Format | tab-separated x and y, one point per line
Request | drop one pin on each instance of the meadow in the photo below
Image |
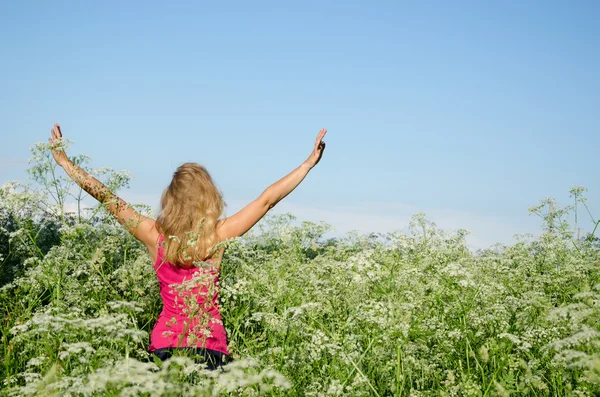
409	313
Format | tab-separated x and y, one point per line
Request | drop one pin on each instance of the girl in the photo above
182	243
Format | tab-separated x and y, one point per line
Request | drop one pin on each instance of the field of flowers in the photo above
408	313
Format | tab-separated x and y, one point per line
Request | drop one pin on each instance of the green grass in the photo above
409	313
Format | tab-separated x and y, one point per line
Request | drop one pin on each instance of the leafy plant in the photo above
406	313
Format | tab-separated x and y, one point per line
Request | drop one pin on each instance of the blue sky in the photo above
468	111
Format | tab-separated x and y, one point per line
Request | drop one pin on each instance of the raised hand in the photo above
56	146
317	152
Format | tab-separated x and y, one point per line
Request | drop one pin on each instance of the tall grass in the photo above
407	313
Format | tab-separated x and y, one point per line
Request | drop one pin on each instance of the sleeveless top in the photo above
190	315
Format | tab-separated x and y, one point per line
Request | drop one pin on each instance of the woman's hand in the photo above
56	146
317	152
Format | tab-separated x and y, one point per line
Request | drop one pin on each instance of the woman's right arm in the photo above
239	223
139	226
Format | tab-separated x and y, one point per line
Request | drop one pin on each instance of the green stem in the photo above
594	231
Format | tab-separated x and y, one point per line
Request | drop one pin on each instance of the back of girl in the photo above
187	266
190	319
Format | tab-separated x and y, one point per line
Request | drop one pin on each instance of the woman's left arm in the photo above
141	227
239	223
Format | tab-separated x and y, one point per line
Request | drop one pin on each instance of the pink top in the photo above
190	315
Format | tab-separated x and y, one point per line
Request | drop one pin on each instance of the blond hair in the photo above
189	210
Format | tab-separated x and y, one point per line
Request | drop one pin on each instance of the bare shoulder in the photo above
219	230
239	223
147	232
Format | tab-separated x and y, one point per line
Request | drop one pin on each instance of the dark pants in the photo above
212	358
